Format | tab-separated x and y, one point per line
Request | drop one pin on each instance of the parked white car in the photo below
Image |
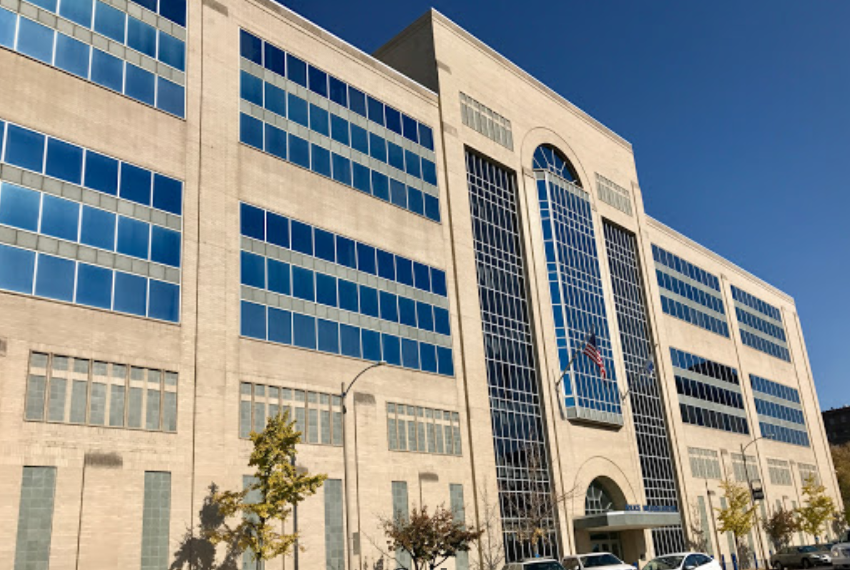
535	564
841	553
596	561
683	561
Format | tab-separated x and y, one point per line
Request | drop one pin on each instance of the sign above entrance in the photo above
651	508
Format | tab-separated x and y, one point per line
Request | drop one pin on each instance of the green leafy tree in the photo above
278	487
780	527
737	517
817	510
429	539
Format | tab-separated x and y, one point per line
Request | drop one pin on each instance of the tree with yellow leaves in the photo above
818	508
737	517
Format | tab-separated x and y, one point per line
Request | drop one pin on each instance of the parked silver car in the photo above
800	557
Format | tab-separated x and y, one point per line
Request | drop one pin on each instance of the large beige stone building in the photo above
212	211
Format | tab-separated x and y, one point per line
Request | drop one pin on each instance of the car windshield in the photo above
544	565
808	549
665	563
599	560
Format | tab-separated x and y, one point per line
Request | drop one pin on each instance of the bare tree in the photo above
491	553
698	539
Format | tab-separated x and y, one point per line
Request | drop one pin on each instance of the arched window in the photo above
598	500
548	158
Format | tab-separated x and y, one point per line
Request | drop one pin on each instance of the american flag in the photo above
591	350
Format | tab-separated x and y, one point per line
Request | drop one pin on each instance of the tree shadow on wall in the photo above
198	553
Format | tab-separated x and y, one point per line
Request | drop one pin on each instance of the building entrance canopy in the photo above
612	521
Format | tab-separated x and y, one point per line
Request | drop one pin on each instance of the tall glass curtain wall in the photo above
521	452
575	285
310	288
82	227
659	478
354	138
136	49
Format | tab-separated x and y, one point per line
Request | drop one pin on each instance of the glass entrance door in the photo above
607	542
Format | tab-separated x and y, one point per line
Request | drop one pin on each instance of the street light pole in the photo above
342	394
752	499
709	494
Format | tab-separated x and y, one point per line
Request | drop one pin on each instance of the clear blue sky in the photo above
739	113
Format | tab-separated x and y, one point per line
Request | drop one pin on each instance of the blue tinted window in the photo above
438	282
324	245
368	301
164	301
149	4
411	162
252	222
275	60
341	169
415	201
135	184
366	258
339	130
275	141
319	120
35	40
298	110
393	120
140	36
55	278
253	320
250	47
302	237
98	228
296	70
170	97
410	129
328	336
429	172
409	353
359	139
64	161
19	207
338	91
377	147
275	100
59	218
407	311
371	345
94	286
46	4
426	137
141	84
71	55
299	151
386	265
349	341
348	296
326	290
441	321
303	285
251	88
380	185
278	277
280	326
131	294
107	70
404	270
251	131
303	331
133	237
432	208
444	361
318	81
320	160
278	229
361	176
78	11
24	148
165	246
174	10
395	156
376	110
109	21
8	23
391	349
421	276
16	269
253	270
357	101
345	254
425	316
398	193
389	306
167	194
172	51
428	357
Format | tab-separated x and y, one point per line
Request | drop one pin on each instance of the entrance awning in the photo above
626	520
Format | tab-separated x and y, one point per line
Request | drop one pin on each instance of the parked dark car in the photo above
800	557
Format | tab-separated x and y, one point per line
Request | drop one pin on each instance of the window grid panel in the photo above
518	436
613	194
808	470
99	393
486	121
705	463
779	471
439	429
659	477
